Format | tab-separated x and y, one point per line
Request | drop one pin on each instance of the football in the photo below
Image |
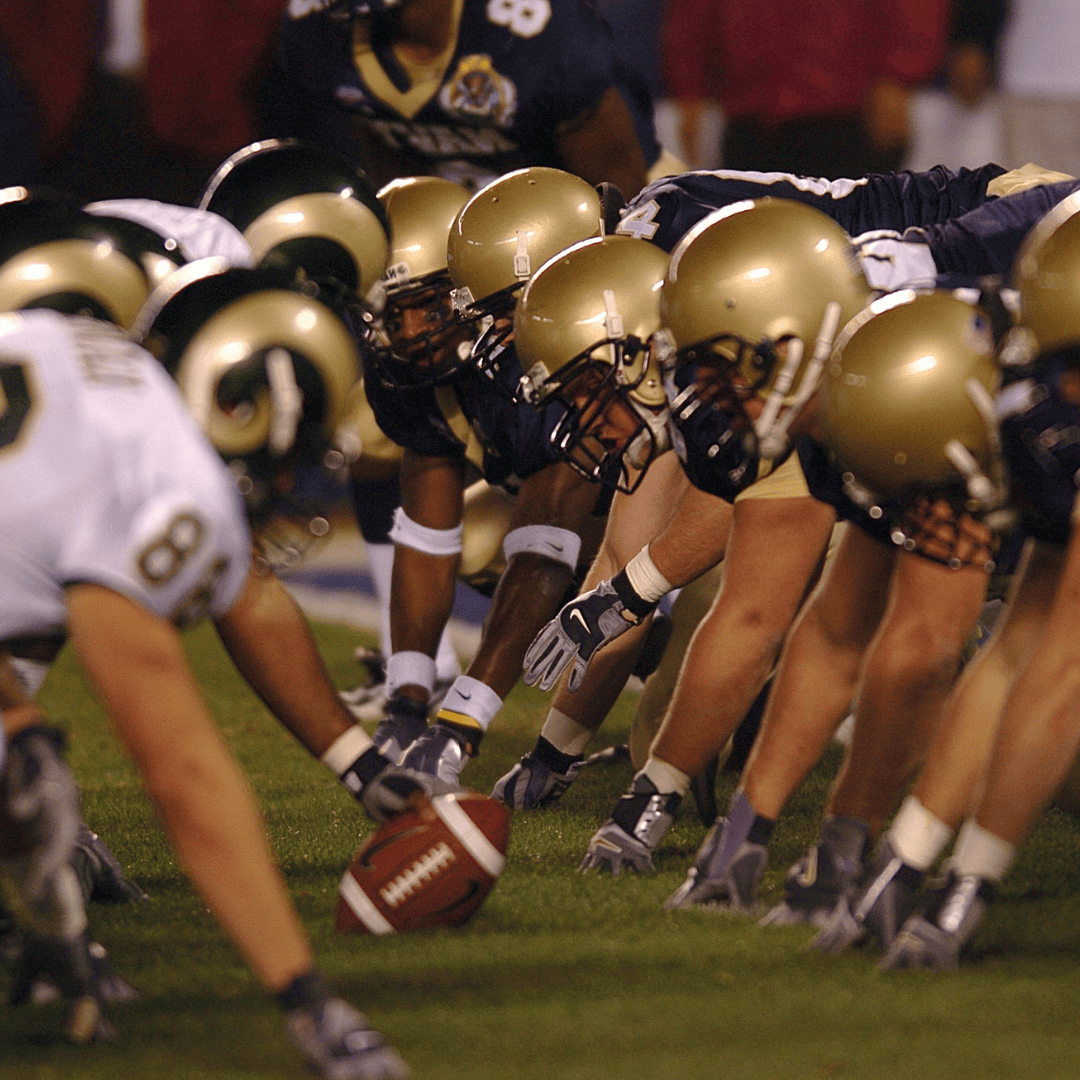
431	866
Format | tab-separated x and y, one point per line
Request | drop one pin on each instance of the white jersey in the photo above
198	233
106	478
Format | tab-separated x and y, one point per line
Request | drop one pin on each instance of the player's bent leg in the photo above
909	671
818	670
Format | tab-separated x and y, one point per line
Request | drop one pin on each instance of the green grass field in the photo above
560	976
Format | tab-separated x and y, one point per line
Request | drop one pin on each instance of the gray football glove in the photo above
585	625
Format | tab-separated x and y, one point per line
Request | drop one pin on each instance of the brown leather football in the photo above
432	866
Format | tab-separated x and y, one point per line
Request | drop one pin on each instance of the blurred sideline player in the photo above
471	90
87	409
1010	734
456	412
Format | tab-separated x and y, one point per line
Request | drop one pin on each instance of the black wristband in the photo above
304	991
404	706
633	603
365	768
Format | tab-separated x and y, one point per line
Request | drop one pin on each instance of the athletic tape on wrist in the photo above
409	534
342	753
409	669
562	545
645	579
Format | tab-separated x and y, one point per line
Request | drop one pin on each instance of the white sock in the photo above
980	852
917	836
381	566
666	778
565	733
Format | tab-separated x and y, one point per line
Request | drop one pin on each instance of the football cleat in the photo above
100	874
934	941
338	1043
614	850
640	820
722	880
879	907
441	752
824	875
531	785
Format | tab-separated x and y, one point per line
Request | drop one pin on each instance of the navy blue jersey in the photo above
1040	436
985	240
667	209
825	483
515	439
519	70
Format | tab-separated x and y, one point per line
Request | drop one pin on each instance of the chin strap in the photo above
772	429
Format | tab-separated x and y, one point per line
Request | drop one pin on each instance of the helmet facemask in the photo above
490	324
428	357
732	371
605	434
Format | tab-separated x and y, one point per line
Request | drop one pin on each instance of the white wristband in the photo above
645	579
409	669
407	532
562	545
342	753
469	703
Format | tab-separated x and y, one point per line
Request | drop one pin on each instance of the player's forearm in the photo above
269	640
695	540
140	669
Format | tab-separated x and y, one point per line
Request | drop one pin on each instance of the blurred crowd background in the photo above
110	98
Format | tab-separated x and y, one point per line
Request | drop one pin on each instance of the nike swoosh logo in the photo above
464	696
575	614
557	548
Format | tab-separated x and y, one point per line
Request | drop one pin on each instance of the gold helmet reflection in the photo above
57	256
582	329
750	278
505	233
1047	276
907	399
421	211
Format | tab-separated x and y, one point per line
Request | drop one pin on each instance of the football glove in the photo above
585	625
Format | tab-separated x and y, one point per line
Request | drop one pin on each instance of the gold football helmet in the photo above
266	369
907	401
1047	276
503	235
754	296
303	207
582	329
415	340
55	255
